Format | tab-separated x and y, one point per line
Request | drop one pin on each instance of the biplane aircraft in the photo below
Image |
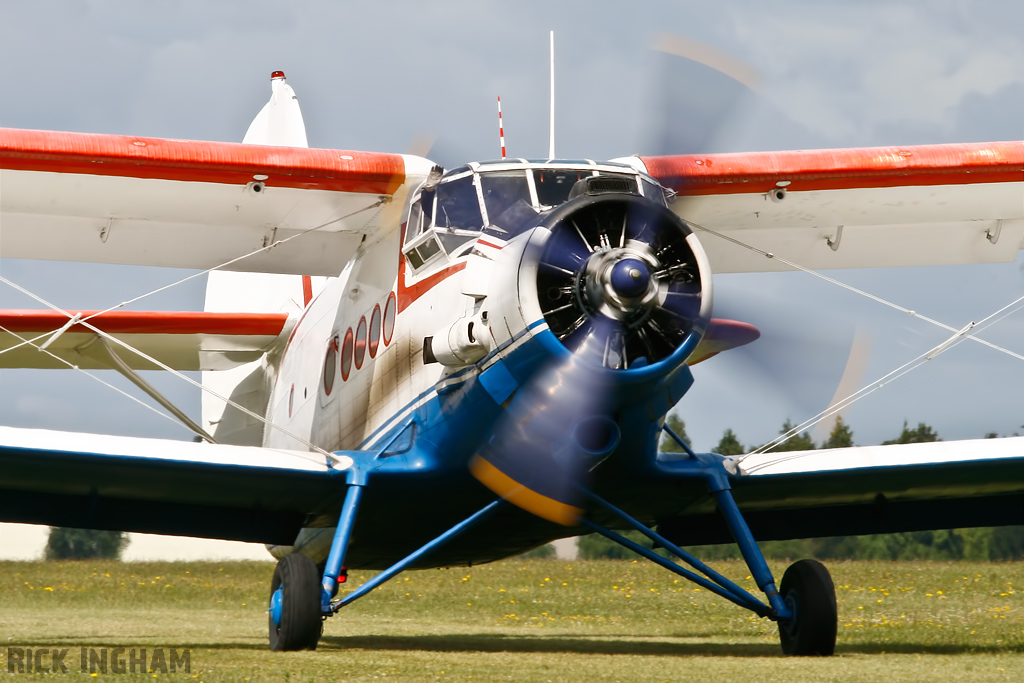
406	366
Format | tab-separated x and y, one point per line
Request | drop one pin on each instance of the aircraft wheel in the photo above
808	590
294	615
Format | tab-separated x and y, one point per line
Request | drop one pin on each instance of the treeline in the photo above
982	544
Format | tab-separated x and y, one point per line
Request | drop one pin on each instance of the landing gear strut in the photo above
805	603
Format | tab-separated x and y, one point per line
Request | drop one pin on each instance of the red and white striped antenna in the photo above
501	129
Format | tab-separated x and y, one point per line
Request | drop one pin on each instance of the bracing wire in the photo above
176	373
98	379
958	337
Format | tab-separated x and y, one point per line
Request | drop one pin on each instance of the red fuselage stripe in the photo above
150	322
204	162
835	169
307	290
407	294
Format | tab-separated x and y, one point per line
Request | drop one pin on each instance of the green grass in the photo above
534	620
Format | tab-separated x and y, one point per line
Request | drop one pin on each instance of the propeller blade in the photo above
555	430
700	91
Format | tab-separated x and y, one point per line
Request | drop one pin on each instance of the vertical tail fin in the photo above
278	123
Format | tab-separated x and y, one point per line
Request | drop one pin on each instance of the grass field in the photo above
533	620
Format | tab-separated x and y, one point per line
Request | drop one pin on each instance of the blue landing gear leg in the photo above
300	599
480	515
808	618
804	607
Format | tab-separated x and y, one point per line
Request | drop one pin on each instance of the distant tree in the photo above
800	442
841	436
729	445
920	434
668	444
991	435
1006	543
85	544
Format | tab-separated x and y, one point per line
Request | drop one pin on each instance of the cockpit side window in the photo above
653	191
458	207
412	226
553	185
427	202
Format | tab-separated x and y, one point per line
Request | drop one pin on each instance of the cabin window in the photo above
374	339
360	349
346	355
388	326
330	369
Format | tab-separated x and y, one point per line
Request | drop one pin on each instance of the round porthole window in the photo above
360	342
346	355
374	340
390	310
330	365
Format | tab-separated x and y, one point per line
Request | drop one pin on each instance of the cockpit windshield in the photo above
457	206
501	198
554	184
507	200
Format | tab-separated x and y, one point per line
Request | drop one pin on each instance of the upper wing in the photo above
180	340
161	486
853	208
188	204
867	490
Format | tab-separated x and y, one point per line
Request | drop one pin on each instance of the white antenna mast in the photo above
551	134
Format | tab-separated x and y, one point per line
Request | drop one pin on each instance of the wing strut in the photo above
100	351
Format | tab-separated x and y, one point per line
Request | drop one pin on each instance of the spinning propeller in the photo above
623	285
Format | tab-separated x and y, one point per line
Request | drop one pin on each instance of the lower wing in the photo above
867	490
161	486
179	340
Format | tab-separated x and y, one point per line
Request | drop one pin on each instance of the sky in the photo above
380	76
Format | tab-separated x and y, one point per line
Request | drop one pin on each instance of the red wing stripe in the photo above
204	162
830	169
150	322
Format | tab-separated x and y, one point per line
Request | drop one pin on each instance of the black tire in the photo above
301	619
807	589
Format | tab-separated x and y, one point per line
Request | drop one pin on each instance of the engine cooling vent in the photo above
603	185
